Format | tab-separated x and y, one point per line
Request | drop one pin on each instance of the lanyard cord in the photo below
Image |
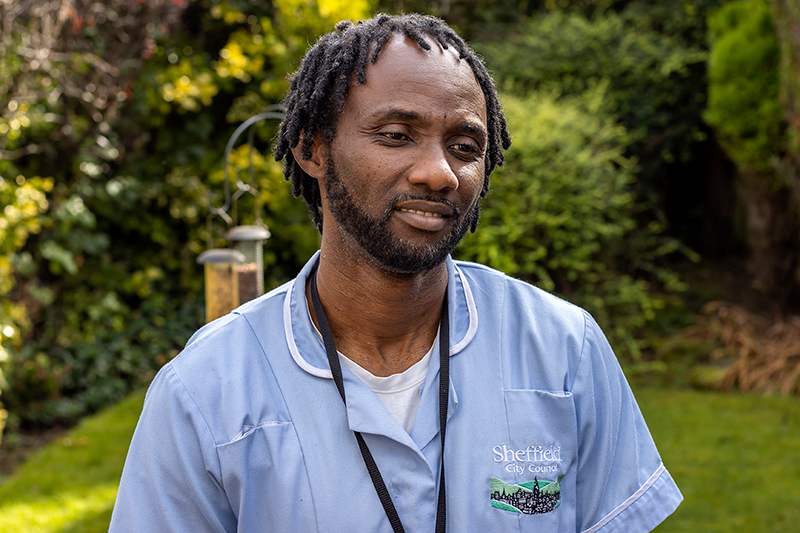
444	393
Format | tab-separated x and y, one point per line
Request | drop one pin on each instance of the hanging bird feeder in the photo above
249	241
235	276
221	271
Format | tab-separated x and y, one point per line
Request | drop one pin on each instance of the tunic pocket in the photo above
265	477
533	476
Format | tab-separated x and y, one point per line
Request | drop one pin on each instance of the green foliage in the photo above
754	114
474	19
561	214
107	289
743	87
785	14
23	202
651	59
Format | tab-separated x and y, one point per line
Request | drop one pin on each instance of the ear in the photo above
315	166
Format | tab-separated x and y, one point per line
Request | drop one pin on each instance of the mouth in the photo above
425	215
418	212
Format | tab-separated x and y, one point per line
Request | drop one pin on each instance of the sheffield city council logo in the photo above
530	497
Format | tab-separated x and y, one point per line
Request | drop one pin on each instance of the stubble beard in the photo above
376	237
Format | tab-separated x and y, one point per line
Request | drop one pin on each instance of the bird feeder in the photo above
222	280
249	240
236	276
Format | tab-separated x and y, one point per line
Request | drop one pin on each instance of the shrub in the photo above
23	203
651	58
743	84
129	117
745	108
758	355
561	214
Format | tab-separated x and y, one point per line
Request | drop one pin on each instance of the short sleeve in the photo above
622	484
170	482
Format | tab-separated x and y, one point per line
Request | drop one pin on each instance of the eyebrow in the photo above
474	129
394	113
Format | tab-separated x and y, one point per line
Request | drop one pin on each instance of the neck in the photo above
383	321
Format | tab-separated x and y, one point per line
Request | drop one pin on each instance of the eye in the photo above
463	148
394	135
466	150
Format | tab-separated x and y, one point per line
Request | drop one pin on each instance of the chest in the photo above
509	459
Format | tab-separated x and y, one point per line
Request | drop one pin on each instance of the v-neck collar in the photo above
309	353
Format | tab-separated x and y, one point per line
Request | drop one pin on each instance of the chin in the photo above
400	257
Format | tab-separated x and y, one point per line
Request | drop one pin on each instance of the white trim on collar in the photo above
326	373
287	328
473	314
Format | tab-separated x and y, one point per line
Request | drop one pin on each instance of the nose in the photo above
433	169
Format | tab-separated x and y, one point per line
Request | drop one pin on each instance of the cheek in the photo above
470	179
363	168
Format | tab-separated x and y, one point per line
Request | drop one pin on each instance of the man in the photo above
387	387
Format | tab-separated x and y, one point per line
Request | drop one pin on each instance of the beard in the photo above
376	237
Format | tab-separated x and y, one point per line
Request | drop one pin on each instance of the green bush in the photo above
561	214
23	203
651	58
744	82
107	288
756	126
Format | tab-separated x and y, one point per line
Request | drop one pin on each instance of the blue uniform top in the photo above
245	430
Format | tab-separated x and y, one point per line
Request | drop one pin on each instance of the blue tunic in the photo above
245	430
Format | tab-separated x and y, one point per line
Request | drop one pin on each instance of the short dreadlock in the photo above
319	89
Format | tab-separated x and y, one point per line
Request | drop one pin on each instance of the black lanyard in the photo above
444	393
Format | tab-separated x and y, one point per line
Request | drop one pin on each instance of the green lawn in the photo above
736	459
70	485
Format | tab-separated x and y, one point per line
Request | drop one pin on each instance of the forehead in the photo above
431	81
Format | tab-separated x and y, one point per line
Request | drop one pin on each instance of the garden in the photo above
653	179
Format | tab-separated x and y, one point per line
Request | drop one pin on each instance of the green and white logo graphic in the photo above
530	497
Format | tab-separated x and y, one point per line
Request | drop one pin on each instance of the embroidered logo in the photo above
530	497
534	459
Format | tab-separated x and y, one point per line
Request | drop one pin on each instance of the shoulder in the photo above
223	326
536	338
505	294
229	342
224	368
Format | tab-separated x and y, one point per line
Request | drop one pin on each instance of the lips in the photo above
418	212
424	215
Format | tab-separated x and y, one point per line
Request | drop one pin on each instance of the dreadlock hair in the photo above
319	88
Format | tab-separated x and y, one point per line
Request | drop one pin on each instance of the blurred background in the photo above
654	179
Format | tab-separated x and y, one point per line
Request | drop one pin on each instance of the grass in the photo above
70	485
735	458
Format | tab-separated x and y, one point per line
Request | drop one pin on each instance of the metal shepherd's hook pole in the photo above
272	111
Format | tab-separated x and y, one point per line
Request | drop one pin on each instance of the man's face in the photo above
404	173
375	235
